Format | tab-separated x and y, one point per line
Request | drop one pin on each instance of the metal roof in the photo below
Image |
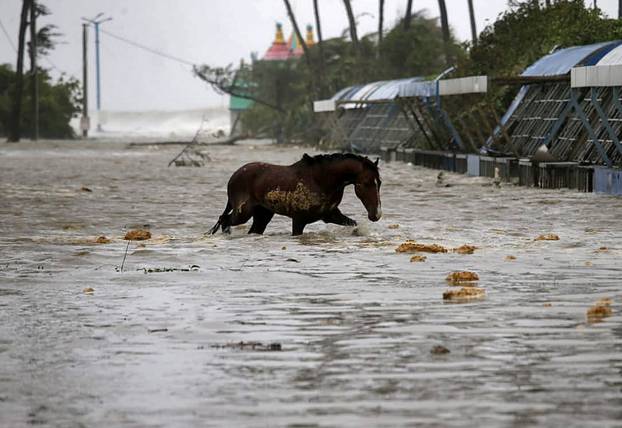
386	90
561	61
613	57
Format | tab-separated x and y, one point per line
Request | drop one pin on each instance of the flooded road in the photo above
356	322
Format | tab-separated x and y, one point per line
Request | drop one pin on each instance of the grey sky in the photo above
216	32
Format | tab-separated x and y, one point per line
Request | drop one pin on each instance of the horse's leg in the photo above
241	215
261	218
298	226
337	217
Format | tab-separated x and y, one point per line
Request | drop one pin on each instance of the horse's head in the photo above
367	189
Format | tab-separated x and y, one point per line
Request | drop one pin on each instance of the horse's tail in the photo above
222	220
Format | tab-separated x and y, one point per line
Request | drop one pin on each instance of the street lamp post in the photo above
96	21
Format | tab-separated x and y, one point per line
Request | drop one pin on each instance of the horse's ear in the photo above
376	163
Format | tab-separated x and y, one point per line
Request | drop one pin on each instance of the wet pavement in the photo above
333	328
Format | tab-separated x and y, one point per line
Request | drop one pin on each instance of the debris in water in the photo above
465	249
85	189
394	226
283	248
412	247
137	235
415	259
600	310
102	240
252	346
464	294
547	237
88	290
588	263
510	258
193	268
439	350
158	330
459	277
602	250
547	305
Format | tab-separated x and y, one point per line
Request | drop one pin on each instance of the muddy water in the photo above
355	320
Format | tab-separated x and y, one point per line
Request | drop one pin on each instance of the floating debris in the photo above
413	247
193	268
459	277
102	240
602	250
588	264
600	310
547	237
85	189
439	350
465	249
137	235
415	259
394	226
547	305
464	294
88	290
510	258
252	346
157	330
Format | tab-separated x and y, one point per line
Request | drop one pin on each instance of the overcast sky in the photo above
215	32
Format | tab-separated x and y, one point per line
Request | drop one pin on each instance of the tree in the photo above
380	24
472	18
320	44
408	15
352	25
16	113
445	28
302	42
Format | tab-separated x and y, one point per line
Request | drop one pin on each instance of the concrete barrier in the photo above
608	180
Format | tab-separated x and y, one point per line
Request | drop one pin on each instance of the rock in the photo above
415	259
464	294
137	235
439	350
459	277
413	247
547	237
465	249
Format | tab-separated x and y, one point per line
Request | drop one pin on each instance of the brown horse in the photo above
306	191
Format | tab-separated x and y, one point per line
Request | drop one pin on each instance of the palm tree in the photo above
352	23
380	24
320	44
445	28
16	111
472	17
408	16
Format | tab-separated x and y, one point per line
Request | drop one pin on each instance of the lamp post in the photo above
96	21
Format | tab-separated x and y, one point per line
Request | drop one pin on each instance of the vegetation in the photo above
415	46
58	102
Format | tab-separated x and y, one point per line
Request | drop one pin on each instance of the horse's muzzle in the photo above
375	216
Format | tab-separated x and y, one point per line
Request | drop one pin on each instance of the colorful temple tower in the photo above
281	51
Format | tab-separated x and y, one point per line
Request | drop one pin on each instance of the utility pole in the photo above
84	121
96	21
34	72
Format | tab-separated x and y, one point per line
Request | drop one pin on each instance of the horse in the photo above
306	191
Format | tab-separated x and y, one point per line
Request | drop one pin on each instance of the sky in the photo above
214	32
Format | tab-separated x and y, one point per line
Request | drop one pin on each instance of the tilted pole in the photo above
34	72
84	122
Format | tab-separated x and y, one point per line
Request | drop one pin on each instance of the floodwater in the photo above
355	321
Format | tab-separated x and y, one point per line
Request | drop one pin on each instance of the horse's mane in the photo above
319	159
